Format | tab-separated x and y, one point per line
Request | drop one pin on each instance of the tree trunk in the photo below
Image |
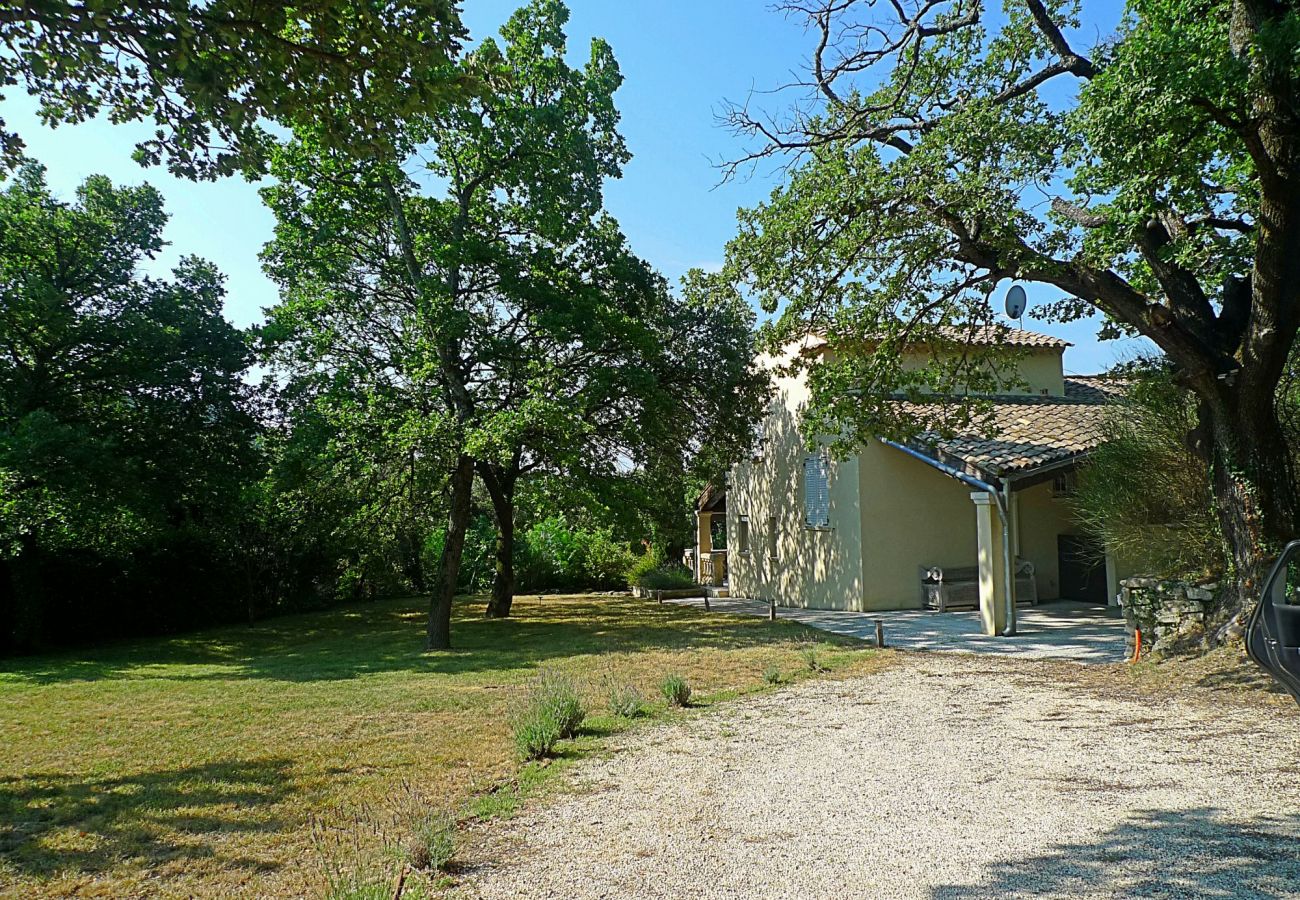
503	582
410	549
501	488
462	483
1254	490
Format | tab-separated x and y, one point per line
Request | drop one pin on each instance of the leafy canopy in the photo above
122	405
212	76
946	146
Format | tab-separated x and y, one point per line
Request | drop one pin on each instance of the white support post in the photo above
992	564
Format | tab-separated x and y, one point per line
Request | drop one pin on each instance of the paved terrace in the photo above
1056	630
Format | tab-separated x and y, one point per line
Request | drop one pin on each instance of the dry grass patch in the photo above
195	766
1225	674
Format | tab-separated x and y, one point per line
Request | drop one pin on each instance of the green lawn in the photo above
211	764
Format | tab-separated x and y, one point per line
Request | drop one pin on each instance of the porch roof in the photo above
712	499
1029	434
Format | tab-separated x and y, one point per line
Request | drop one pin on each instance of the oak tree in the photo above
212	76
942	146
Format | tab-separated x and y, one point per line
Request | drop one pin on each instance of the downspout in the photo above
1002	499
1009	584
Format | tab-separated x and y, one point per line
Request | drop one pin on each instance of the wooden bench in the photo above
958	587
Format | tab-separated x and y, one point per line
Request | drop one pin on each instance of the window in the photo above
816	491
771	538
743	536
1064	484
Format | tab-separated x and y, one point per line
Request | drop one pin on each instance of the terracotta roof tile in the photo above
1000	334
980	335
1030	432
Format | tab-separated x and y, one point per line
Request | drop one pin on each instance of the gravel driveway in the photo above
940	777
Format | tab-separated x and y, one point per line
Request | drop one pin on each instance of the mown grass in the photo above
197	765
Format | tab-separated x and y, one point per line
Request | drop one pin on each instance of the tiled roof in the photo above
978	335
1026	433
999	334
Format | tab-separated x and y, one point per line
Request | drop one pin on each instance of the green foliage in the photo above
502	263
1144	492
535	733
772	675
128	444
555	554
947	150
652	572
432	841
558	695
550	710
625	698
643	565
675	690
667	577
812	659
210	75
362	886
550	555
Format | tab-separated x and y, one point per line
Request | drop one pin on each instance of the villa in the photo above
939	521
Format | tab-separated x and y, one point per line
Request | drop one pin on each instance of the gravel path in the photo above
940	777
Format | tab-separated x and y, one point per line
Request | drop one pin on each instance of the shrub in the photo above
550	711
772	675
555	554
811	659
355	846
421	833
535	733
432	841
643	565
557	693
652	572
1144	493
669	577
675	690
625	699
604	560
361	886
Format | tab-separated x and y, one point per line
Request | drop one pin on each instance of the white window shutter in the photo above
816	491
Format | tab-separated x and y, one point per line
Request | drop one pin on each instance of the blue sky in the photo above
680	59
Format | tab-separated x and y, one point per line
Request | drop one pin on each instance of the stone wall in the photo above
1171	614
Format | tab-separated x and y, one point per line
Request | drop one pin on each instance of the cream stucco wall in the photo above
890	515
1040	517
1043	373
1039	368
814	568
912	515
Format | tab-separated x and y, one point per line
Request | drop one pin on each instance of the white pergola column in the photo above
992	565
703	541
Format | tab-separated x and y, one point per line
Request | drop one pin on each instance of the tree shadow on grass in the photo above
56	823
387	637
1195	853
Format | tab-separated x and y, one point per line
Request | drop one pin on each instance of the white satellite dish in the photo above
1016	302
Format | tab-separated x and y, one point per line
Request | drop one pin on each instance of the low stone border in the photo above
674	594
1171	614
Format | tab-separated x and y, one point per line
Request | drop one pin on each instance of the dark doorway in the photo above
1083	569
